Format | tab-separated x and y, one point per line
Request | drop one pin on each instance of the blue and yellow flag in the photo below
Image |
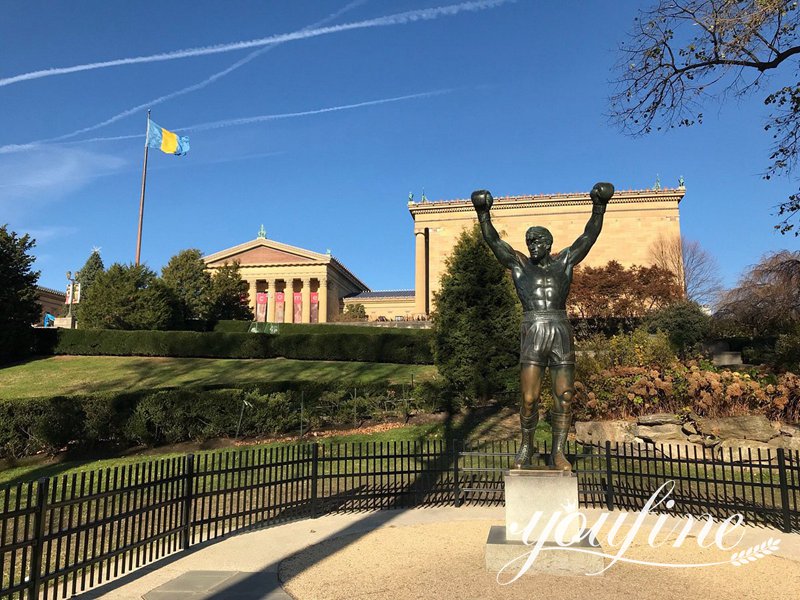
166	141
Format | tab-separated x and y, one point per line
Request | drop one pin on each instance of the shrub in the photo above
685	323
377	346
787	350
168	416
636	349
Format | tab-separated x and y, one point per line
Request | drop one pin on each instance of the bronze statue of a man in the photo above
542	281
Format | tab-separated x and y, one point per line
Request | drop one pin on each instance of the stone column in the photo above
252	295
271	301
323	300
288	299
419	272
306	314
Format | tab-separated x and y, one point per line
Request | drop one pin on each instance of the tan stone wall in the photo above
633	221
385	307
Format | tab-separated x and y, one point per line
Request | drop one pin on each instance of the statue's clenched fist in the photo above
601	193
482	200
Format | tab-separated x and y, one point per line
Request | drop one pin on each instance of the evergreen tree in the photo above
477	321
18	306
186	275
90	270
128	297
228	295
86	277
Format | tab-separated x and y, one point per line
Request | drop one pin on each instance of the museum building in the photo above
293	285
289	284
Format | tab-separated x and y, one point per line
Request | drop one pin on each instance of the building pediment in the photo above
265	252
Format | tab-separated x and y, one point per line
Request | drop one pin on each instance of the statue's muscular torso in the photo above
543	286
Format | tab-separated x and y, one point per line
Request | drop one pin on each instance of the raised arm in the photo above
482	201
601	193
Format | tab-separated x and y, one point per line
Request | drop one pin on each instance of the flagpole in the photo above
141	199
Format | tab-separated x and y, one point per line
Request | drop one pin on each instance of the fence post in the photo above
609	484
187	500
38	527
456	482
787	519
314	480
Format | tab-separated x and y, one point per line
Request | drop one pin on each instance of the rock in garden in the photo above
790	430
745	451
784	441
598	432
659	419
660	433
689	428
749	427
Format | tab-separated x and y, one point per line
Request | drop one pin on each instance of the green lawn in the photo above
86	374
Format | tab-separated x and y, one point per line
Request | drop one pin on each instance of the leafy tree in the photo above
227	297
614	291
685	323
18	306
477	320
766	300
695	270
684	52
354	312
128	297
86	277
185	274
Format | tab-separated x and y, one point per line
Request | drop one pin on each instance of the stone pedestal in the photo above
64	322
545	491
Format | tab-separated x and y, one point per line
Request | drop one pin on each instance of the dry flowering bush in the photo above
626	392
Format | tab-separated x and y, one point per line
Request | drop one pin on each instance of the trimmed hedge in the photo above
368	347
168	416
284	328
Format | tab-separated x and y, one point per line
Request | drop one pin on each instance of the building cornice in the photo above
548	201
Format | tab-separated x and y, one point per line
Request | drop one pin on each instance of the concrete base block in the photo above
500	552
545	490
64	322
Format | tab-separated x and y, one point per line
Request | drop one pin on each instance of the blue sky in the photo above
510	96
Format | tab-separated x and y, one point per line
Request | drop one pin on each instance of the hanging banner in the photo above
280	304
261	307
69	298
298	307
315	307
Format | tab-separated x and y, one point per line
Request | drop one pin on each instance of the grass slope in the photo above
85	374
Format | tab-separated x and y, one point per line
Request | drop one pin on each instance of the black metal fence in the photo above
66	534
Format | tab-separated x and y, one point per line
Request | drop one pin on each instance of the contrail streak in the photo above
240	121
319	111
411	16
192	88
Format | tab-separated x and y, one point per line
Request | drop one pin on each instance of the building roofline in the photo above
42	288
545	200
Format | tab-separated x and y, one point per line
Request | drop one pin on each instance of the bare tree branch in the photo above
695	270
683	53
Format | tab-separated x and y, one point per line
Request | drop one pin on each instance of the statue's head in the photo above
539	241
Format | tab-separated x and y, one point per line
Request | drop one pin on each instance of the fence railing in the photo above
62	535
